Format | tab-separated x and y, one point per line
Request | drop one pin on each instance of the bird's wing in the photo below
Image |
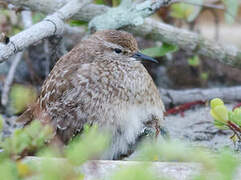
72	96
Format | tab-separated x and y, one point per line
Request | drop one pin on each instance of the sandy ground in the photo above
197	127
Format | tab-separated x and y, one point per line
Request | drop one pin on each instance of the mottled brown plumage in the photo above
100	81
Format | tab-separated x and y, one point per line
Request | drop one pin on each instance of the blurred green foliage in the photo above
204	76
33	139
226	119
186	11
190	12
28	139
159	51
8	169
21	97
80	150
78	23
90	145
1	123
222	165
9	22
138	172
99	1
114	3
38	17
194	61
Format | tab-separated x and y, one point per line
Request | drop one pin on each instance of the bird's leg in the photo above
157	127
160	130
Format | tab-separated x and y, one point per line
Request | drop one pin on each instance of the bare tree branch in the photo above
49	7
227	54
51	25
153	29
176	97
127	13
9	79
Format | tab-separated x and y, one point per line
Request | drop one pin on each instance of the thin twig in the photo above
27	22
9	79
235	133
235	129
234	126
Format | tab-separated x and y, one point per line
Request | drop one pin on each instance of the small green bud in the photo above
216	102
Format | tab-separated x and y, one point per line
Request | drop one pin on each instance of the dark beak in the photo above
140	56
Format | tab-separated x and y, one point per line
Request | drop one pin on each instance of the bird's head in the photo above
120	45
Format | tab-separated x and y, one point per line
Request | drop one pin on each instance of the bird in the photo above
101	81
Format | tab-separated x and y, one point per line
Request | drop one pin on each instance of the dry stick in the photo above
51	25
177	97
27	22
9	79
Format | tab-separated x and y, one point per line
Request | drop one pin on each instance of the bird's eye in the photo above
118	51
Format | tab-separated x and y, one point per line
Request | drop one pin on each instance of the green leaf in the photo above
115	3
78	23
227	165
235	116
232	10
220	113
216	102
159	51
99	2
8	170
204	76
90	144
21	97
23	169
1	123
186	11
55	169
38	17
194	61
138	172
220	125
30	138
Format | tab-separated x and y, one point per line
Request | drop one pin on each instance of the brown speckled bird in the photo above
101	81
